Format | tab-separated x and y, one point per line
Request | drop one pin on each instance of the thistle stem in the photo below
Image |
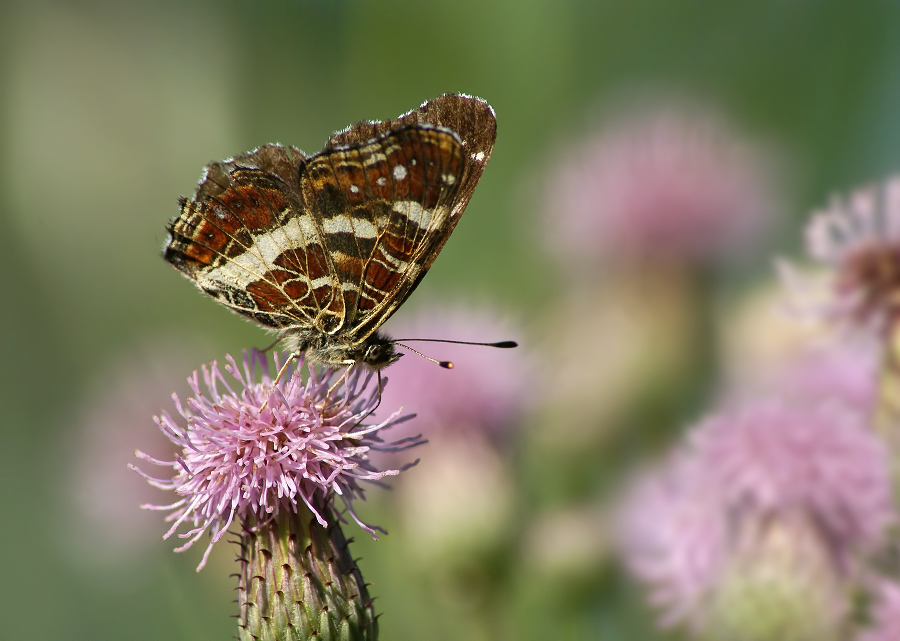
298	581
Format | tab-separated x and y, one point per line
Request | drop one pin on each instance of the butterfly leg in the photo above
291	357
270	345
341	379
369	413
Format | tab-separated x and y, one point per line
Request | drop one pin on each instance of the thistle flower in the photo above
274	457
770	507
674	182
859	240
269	447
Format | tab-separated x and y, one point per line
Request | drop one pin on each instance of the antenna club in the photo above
446	364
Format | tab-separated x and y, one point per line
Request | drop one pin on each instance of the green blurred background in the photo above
109	111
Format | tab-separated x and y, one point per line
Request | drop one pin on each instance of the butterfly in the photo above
324	248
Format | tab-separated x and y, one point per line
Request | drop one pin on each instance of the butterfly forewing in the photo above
383	207
327	247
471	118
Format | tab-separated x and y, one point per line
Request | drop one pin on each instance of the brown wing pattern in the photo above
240	239
383	208
470	117
333	244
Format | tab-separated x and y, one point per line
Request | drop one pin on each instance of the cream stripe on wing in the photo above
251	266
358	227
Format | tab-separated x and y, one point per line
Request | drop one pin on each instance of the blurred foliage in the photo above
109	111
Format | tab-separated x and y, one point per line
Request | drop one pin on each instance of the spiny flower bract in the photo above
256	448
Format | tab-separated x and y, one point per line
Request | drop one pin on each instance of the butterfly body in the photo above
324	248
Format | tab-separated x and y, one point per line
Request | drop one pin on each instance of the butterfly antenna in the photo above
500	344
444	364
448	364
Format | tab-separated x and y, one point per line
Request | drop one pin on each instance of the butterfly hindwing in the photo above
243	241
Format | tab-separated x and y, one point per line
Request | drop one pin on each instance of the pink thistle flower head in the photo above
257	448
761	485
859	239
820	459
673	181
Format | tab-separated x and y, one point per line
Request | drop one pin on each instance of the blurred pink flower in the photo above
789	497
674	537
885	615
817	458
671	182
859	239
487	389
842	371
306	447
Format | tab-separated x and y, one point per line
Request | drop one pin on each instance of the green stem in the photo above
298	582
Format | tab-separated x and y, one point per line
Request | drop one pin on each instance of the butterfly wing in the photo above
473	124
245	241
336	242
470	117
384	208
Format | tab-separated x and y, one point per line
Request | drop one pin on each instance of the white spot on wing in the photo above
306	227
373	159
399	172
479	156
381	181
416	213
343	224
339	224
354	189
321	282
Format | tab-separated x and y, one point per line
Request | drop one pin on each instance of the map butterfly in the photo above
324	248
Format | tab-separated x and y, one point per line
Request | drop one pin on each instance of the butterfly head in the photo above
379	352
